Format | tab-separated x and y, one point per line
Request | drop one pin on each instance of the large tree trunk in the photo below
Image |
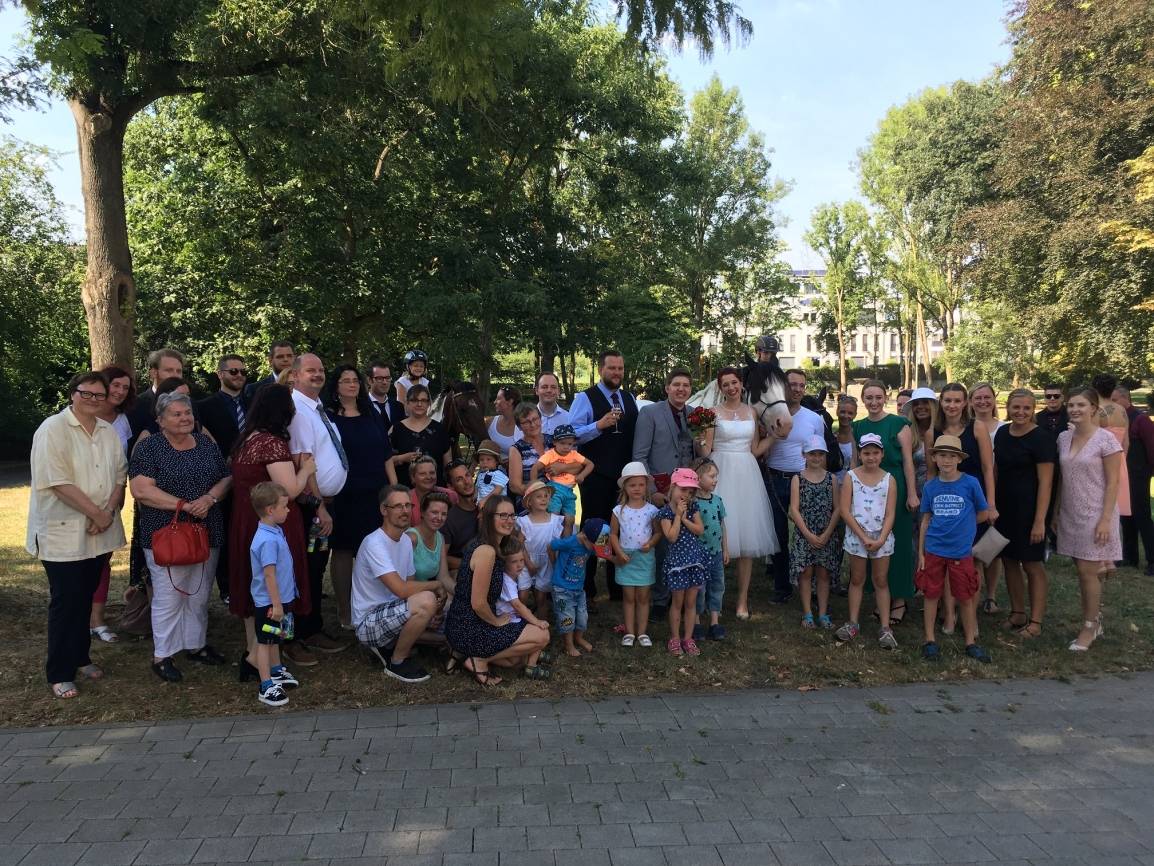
841	357
109	292
924	343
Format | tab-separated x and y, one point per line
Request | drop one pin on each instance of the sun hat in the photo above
564	431
683	478
488	446
950	445
870	439
924	393
592	528
533	487
633	469
815	443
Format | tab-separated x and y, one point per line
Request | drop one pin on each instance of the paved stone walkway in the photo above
1022	772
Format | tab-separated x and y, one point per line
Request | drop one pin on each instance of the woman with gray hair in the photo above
179	470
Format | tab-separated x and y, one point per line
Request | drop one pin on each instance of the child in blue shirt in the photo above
569	602
273	590
952	506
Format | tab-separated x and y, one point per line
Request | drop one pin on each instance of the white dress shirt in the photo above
309	435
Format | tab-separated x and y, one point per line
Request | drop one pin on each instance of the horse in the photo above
458	407
765	387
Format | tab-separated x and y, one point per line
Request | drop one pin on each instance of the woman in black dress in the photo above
355	510
477	635
419	434
1025	455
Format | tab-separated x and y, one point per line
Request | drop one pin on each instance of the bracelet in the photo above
215	501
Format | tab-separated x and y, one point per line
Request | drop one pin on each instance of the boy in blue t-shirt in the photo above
569	603
273	590
952	506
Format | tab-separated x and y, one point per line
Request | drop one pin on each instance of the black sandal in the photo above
455	662
483	678
898	620
1009	623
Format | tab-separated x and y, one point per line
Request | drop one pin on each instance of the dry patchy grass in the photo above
769	650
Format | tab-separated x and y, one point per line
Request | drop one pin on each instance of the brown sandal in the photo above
1009	623
1024	630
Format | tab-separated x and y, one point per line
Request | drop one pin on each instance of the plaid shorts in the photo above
382	625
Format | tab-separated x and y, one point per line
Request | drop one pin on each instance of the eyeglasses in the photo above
405	505
91	395
236	371
419	400
504	515
382	378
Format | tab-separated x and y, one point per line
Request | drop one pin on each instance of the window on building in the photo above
793	342
853	342
808	344
893	342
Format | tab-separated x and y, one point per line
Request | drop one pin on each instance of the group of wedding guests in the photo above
308	472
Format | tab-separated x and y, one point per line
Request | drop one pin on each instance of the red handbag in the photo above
181	542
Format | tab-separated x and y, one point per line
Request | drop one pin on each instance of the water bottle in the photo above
315	535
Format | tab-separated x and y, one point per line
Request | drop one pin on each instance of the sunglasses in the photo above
1053	396
236	371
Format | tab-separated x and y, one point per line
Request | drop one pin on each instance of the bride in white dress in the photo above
736	446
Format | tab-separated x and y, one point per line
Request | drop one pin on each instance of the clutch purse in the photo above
989	545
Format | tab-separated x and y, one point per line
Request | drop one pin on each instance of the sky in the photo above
816	77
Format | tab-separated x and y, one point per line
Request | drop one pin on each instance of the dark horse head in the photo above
463	415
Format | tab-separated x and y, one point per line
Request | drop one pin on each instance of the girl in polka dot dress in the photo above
684	566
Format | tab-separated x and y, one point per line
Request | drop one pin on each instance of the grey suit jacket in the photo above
658	443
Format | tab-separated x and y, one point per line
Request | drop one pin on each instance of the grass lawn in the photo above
769	650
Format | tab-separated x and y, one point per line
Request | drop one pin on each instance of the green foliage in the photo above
1078	109
41	322
993	344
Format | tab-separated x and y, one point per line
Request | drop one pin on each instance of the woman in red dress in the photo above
262	454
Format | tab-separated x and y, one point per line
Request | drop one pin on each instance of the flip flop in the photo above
65	691
105	634
93	671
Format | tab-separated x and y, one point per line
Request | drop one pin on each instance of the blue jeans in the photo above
711	594
570	609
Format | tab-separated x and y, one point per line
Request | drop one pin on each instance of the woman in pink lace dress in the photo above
1086	515
262	454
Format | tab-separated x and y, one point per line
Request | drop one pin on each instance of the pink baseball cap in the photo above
683	478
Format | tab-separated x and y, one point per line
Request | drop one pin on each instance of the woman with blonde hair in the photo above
1024	455
1086	514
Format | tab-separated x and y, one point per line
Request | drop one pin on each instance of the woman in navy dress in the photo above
477	635
355	510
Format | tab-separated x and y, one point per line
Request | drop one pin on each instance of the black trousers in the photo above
70	585
777	485
598	496
222	560
313	622
1140	524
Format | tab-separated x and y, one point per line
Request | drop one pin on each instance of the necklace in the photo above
734	414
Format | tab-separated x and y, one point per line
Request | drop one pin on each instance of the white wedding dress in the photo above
748	519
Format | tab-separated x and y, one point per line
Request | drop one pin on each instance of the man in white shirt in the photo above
785	460
312	432
390	609
552	415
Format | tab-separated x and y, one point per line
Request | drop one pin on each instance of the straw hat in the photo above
949	445
633	469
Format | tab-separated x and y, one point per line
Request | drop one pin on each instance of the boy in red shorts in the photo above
952	506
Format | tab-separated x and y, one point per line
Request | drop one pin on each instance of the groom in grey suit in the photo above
663	441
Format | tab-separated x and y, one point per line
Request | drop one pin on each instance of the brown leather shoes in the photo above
298	654
321	642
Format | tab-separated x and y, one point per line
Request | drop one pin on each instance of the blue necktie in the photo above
336	439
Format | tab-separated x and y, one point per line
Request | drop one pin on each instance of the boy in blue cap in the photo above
569	604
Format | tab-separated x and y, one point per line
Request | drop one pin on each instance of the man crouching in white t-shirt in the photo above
390	610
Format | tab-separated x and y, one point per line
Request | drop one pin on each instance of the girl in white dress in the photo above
735	445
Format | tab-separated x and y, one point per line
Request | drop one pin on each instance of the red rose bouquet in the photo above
700	420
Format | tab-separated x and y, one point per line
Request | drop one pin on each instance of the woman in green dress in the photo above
898	461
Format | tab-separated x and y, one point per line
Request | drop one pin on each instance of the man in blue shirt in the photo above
952	506
604	418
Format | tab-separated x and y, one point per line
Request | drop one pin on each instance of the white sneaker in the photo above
886	640
644	641
628	640
274	696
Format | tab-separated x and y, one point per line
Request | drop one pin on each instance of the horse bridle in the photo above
767	407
